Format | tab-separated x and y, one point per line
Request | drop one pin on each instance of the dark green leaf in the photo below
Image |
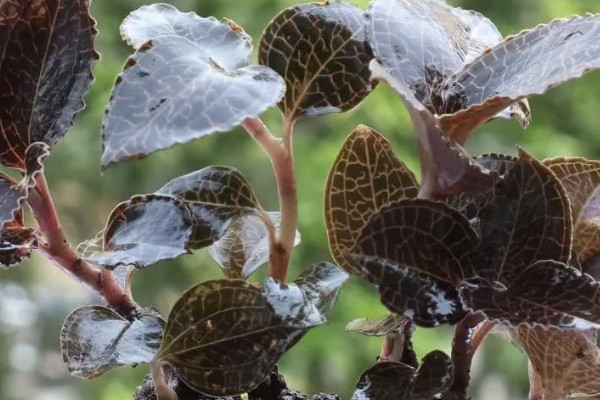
191	80
47	56
433	376
366	176
96	339
378	327
322	52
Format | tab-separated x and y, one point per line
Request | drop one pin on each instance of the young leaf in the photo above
183	391
96	339
217	196
378	327
527	64
245	245
365	176
190	80
546	294
143	231
567	361
47	57
322	52
415	252
16	243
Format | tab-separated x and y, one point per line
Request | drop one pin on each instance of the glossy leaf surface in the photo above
322	52
216	196
365	176
191	80
415	252
547	293
47	56
245	245
96	339
16	244
379	326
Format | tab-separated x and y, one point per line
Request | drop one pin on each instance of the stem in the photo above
282	159
161	388
59	251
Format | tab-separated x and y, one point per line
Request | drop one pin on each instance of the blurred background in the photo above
35	297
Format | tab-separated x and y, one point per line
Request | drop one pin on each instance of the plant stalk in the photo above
57	249
161	388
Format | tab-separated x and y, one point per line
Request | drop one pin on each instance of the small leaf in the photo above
567	361
366	176
217	196
433	376
322	52
524	65
415	252
546	294
16	244
245	245
47	56
96	339
378	327
143	231
191	80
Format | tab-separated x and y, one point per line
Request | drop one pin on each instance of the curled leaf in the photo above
166	92
378	327
322	52
96	339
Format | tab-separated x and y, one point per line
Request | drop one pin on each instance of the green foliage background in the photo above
35	297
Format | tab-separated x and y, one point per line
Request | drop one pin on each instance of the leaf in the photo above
147	392
47	56
365	176
191	80
245	245
415	252
397	381
379	326
224	337
16	244
322	52
143	231
96	339
217	196
567	361
527	219
547	293
524	65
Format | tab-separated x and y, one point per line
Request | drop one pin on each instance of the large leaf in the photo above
224	337
567	361
322	52
397	381
217	196
47	56
190	80
415	252
527	64
365	176
96	339
546	293
245	245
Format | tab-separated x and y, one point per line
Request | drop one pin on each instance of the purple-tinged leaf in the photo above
322	52
365	176
523	65
47	56
192	80
245	245
547	293
378	327
96	339
16	244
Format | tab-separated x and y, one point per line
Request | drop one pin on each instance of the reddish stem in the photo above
59	251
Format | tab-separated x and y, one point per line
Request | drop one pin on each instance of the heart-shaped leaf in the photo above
397	381
16	243
217	196
416	252
245	245
546	293
224	337
567	361
141	232
322	52
365	176
190	80
47	57
527	64
378	327
96	339
527	219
